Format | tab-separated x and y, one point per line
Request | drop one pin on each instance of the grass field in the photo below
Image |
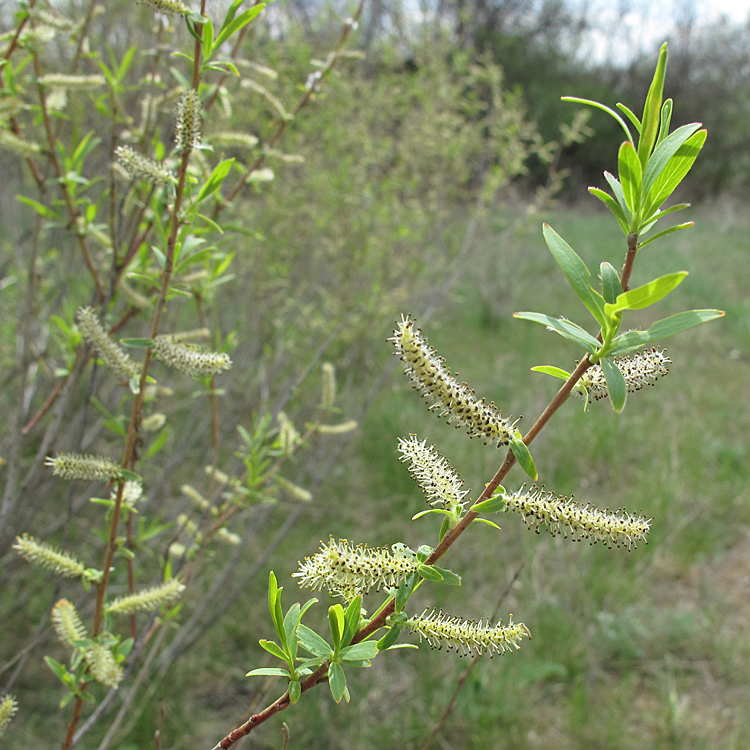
637	649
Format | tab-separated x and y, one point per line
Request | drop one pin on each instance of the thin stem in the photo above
129	456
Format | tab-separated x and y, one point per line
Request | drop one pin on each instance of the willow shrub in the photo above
195	225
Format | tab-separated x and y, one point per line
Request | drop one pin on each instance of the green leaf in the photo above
389	638
405	590
631	116
495	504
666	120
488	522
665	232
231	28
652	108
646	295
664	152
295	691
273	648
274	604
363	651
449	577
523	456
662	329
611	286
336	624
604	108
613	206
208	38
677	167
214	182
616	386
337	681
268	672
158	443
431	510
566	328
312	642
143	343
40	208
291	620
575	271
630	172
429	573
351	620
59	670
556	372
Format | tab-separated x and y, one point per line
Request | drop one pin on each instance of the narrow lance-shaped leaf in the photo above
613	206
647	294
677	167
631	175
662	329
566	328
611	286
618	390
603	107
652	108
664	152
575	271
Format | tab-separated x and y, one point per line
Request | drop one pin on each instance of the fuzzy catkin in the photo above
108	349
455	401
578	522
468	637
431	470
639	370
347	570
46	556
148	600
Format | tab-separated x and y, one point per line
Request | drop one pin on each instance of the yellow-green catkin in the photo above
297	492
154	422
65	81
83	466
67	623
234	139
148	600
347	570
11	142
289	438
103	665
578	522
199	501
639	370
46	556
108	349
337	429
453	400
189	121
8	708
191	359
468	637
132	493
431	470
140	167
169	7
328	390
